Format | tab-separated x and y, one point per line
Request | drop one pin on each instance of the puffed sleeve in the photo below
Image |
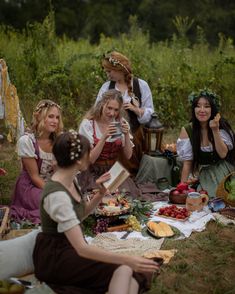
25	147
147	102
184	149
86	129
227	139
61	211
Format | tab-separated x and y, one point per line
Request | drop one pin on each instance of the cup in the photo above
118	133
196	201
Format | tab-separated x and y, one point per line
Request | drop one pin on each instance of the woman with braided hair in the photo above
69	263
35	151
207	144
137	97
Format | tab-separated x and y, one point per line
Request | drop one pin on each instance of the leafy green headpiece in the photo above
205	93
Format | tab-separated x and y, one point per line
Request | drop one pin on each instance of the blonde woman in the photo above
137	100
99	127
35	151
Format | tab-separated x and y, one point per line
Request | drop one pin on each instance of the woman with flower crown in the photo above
207	144
99	127
137	97
35	151
69	263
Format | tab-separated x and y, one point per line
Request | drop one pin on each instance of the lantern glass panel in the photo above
153	141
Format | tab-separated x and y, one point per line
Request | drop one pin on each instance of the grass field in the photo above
204	263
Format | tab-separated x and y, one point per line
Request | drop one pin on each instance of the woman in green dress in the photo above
207	144
68	260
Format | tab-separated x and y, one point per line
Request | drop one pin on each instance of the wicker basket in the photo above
221	192
4	221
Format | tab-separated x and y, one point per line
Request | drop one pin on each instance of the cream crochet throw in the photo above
131	246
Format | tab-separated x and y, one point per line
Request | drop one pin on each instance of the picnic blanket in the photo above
196	222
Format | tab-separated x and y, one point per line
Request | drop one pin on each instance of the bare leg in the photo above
134	287
121	281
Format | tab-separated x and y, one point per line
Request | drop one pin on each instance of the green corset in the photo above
205	158
48	224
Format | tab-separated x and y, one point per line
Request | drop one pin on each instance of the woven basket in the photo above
221	192
4	221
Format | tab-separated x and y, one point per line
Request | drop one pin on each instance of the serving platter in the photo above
146	231
173	218
113	205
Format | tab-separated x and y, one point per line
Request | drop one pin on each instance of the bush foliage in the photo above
41	65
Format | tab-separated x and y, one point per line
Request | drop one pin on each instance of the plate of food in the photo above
113	205
160	229
173	212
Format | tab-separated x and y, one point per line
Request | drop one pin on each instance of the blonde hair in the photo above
96	111
117	61
39	115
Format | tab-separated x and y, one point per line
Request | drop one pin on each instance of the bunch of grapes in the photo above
133	223
101	225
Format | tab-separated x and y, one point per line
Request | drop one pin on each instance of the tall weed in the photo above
43	66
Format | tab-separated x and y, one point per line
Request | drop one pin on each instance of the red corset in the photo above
110	150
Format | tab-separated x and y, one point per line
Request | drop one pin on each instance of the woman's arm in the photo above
187	164
90	206
127	148
220	146
186	170
147	107
31	167
139	264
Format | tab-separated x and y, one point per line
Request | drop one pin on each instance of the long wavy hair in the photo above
119	62
96	111
39	115
197	137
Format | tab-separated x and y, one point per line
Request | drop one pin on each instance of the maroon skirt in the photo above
57	263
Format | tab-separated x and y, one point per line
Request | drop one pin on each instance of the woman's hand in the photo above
103	178
111	130
125	127
214	123
141	264
137	110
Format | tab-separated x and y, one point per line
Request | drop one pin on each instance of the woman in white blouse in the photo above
100	129
206	145
68	260
35	151
137	100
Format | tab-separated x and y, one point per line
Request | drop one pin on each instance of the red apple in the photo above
185	192
182	186
191	190
203	192
175	192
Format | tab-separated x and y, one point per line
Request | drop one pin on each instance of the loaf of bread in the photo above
160	229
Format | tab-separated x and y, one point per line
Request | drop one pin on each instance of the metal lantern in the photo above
153	132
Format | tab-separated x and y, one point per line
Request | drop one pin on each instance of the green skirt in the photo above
211	175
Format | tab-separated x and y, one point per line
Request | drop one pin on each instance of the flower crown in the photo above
46	104
115	62
75	145
205	93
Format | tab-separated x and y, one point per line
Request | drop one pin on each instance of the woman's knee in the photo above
124	270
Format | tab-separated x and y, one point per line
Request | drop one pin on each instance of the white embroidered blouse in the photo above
184	147
26	149
146	99
86	129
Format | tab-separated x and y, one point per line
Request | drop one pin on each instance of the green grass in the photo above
204	263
